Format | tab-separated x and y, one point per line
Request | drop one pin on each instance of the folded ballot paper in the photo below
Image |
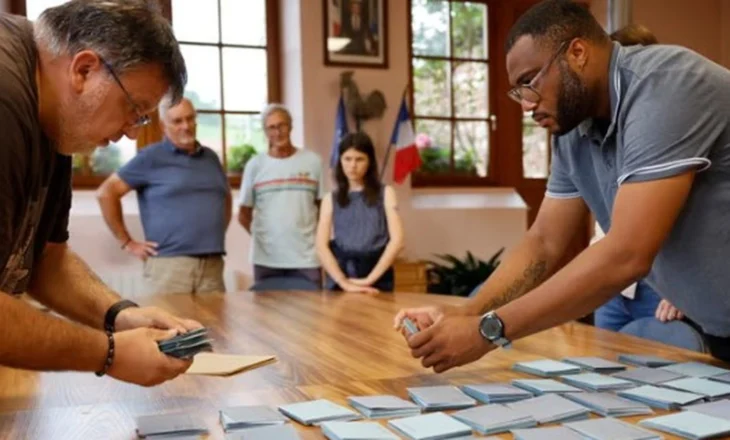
545	386
695	369
356	431
720	408
278	432
609	405
611	429
657	397
721	378
187	345
552	433
315	412
495	418
168	425
551	408
443	397
241	417
648	376
496	392
383	407
705	387
598	382
644	360
546	368
595	364
434	426
689	424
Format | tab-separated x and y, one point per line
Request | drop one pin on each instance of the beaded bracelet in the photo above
109	355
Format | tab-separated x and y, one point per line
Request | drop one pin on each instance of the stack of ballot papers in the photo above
440	397
546	368
187	345
356	431
280	432
434	426
496	392
552	433
720	408
493	419
663	398
378	407
705	387
643	360
689	424
722	378
241	417
315	412
551	408
695	369
598	382
611	429
545	386
609	405
168	425
647	376
595	364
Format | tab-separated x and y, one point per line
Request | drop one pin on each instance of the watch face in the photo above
492	327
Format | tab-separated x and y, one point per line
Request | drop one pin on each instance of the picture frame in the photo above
355	33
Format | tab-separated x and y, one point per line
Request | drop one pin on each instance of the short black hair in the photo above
556	21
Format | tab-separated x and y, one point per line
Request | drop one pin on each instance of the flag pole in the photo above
390	144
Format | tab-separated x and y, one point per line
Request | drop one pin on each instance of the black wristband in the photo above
111	314
109	355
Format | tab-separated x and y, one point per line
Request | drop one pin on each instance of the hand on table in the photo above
350	286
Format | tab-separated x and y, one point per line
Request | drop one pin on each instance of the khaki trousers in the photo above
184	274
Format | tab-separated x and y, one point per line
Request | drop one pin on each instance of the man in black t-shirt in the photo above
85	74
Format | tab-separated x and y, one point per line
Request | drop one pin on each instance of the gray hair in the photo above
166	104
274	108
125	33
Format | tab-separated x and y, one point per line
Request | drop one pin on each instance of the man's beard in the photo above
75	122
573	100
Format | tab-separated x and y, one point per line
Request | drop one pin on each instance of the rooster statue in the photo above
361	108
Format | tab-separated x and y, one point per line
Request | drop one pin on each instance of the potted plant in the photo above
238	156
453	276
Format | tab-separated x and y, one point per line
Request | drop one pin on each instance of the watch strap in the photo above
111	314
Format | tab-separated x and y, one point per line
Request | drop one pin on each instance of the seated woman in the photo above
359	233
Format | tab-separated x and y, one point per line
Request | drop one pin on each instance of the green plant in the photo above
434	160
459	277
238	156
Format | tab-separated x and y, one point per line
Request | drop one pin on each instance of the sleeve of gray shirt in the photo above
669	125
559	184
245	198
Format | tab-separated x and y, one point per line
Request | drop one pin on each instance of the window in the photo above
535	149
451	86
226	48
230	48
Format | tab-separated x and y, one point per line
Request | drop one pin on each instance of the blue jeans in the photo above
620	310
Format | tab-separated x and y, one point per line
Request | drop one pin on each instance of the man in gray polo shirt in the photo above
643	142
185	205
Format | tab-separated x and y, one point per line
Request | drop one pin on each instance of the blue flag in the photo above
340	131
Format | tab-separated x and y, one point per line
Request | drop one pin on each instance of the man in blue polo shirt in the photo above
185	205
643	142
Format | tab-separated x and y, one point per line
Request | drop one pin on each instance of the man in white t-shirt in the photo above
279	202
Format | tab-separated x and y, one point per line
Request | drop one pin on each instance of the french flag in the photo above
407	158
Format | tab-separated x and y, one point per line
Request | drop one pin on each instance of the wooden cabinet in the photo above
410	276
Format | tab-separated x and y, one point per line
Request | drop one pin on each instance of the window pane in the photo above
535	151
243	22
430	25
107	160
431	80
210	132
195	21
469	30
471	147
33	8
204	79
471	94
244	78
434	141
244	138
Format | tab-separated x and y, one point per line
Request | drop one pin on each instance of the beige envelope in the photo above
216	364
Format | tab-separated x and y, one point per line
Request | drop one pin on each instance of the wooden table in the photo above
328	346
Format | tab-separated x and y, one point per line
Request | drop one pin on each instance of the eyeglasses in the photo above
528	92
142	119
281	127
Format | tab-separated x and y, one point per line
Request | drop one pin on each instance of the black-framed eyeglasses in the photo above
142	119
528	92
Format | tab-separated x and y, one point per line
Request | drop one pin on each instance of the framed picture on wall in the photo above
355	33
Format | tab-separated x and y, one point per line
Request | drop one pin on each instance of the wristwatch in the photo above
492	329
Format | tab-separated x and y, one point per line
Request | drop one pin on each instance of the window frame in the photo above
86	180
